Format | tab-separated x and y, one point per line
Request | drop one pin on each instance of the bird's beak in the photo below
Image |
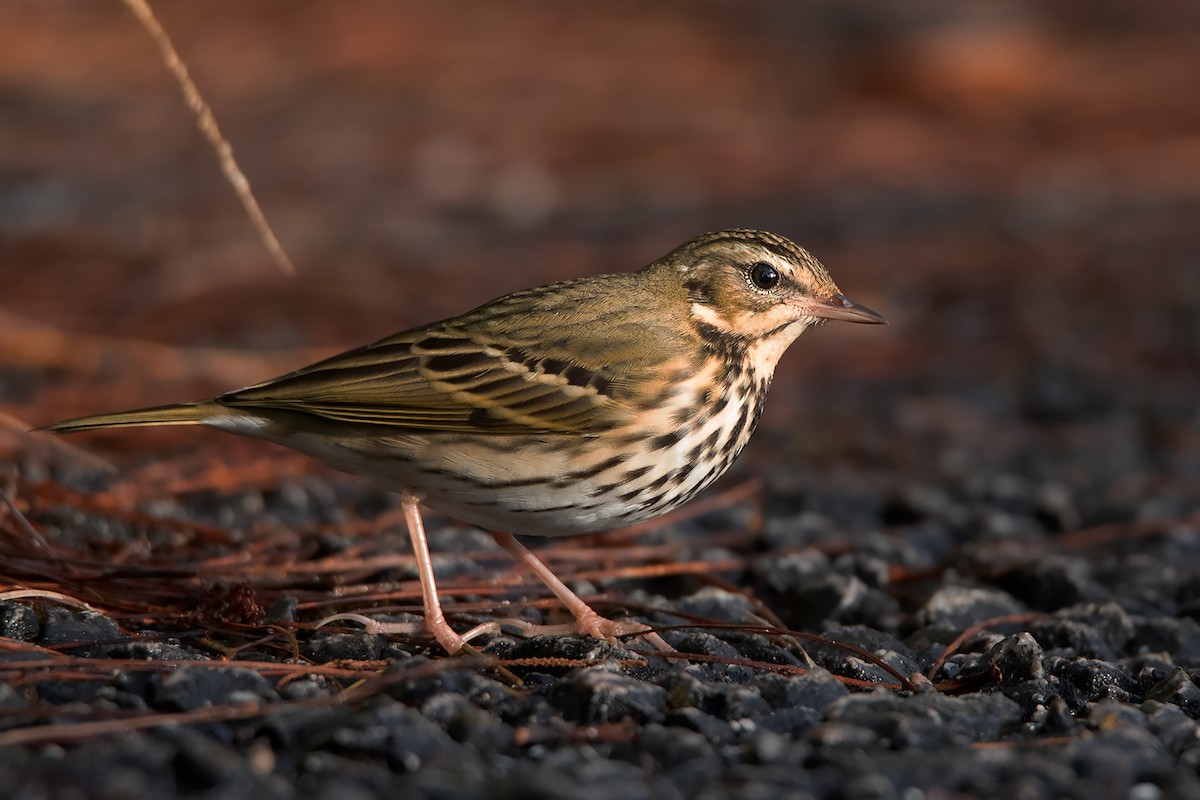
842	308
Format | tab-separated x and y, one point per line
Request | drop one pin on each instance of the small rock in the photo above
282	610
956	608
1119	754
190	687
733	703
864	638
307	687
344	647
397	733
814	690
202	764
860	670
1017	658
11	699
18	621
485	691
467	723
599	695
1070	638
1034	697
704	643
714	730
570	648
153	650
872	570
1059	720
768	746
834	735
1052	583
580	774
683	687
928	721
792	722
679	749
1094	680
1179	690
1175	729
1178	637
62	626
717	604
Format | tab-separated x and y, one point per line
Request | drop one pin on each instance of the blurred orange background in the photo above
1016	185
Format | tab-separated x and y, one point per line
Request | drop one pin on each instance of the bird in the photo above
585	405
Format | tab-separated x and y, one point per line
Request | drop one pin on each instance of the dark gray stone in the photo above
1054	582
956	608
814	690
18	621
1095	680
717	604
707	644
599	695
466	723
1069	638
344	647
196	687
928	721
1015	659
1179	637
1179	690
62	626
714	730
397	734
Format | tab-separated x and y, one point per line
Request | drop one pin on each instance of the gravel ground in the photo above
1010	659
960	558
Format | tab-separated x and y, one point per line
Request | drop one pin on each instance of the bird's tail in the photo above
176	414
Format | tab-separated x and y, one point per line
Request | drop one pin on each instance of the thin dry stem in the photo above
26	526
29	594
208	126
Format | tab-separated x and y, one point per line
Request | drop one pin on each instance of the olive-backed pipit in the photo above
581	406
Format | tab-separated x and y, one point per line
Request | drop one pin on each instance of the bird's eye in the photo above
764	276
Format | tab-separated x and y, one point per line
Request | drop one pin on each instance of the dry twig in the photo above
208	126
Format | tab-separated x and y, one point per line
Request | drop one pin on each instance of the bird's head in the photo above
756	288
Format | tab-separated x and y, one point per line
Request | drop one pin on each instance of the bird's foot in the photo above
450	641
589	623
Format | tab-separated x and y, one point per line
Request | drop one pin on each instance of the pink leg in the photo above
435	621
587	621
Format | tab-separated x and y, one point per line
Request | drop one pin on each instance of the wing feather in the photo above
442	382
554	359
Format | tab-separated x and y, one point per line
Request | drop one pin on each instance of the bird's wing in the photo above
446	379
